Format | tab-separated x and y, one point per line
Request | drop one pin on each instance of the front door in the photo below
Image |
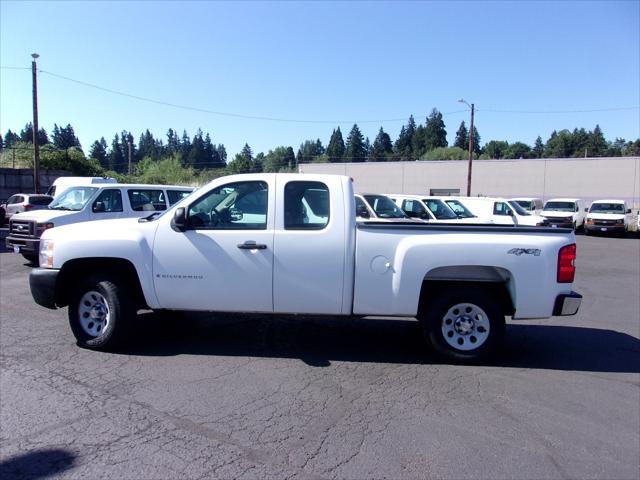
223	261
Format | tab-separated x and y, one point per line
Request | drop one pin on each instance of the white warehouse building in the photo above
586	178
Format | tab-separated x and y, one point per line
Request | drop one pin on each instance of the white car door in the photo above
223	260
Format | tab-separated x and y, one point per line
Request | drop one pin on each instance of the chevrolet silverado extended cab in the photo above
290	244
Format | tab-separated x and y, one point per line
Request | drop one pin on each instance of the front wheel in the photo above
100	313
464	324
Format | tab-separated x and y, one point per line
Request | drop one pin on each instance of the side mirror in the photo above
628	210
586	209
179	221
98	207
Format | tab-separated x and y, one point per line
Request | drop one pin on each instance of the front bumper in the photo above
567	304
42	282
604	228
24	245
555	223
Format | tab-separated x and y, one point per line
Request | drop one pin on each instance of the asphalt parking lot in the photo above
213	396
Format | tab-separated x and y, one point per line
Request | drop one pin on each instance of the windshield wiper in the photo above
59	208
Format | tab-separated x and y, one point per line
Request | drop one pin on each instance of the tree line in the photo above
187	157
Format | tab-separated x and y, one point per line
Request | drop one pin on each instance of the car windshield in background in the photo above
518	208
440	209
560	207
459	209
526	204
384	207
73	198
607	208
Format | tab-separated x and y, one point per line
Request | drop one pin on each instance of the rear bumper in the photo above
567	304
42	282
25	245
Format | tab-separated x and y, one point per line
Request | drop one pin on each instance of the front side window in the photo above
234	206
74	198
525	204
414	209
440	210
519	210
384	207
147	200
109	200
306	205
501	208
176	195
459	209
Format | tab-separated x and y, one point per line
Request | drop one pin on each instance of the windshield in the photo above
607	208
440	209
74	198
384	207
519	210
459	209
526	204
560	207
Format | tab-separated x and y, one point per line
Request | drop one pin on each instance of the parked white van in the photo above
500	212
90	202
564	212
607	216
532	205
60	184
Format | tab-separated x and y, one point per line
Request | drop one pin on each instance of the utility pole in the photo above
472	107
36	146
129	144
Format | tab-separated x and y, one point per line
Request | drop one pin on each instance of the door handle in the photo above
251	245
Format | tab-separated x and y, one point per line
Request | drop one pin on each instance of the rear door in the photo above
311	246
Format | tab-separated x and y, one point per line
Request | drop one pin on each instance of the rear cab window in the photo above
306	205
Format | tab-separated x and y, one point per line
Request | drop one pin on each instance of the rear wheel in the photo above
100	313
465	324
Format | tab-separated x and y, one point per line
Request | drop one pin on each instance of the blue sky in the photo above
370	62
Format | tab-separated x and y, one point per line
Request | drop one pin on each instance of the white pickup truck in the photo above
290	244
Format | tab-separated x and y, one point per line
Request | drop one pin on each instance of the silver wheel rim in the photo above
465	326
94	314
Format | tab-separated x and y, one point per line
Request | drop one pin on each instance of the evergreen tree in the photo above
462	137
10	138
335	149
222	154
173	142
243	161
26	135
98	151
403	147
309	151
435	132
476	141
355	150
367	148
418	142
538	148
559	145
596	145
197	157
290	158
116	156
65	137
147	147
185	145
382	147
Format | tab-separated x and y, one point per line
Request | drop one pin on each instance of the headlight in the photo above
46	253
589	221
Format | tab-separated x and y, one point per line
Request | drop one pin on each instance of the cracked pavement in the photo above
238	396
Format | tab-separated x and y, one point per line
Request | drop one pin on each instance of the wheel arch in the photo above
119	268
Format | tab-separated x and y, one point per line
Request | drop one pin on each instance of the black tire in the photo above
441	304
107	293
3	217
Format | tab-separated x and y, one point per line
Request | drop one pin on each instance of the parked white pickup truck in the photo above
290	244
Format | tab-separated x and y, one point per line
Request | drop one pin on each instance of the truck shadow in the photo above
318	341
37	464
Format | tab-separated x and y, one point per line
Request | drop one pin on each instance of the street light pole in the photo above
472	107
36	145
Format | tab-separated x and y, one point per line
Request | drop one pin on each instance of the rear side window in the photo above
13	199
306	205
111	200
176	195
147	200
40	200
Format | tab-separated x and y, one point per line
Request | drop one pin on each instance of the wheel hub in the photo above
93	312
464	325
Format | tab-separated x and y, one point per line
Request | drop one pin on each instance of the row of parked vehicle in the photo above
603	216
80	199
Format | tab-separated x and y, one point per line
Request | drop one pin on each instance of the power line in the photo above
615	109
227	114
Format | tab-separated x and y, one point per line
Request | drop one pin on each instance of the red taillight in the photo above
566	264
27	206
